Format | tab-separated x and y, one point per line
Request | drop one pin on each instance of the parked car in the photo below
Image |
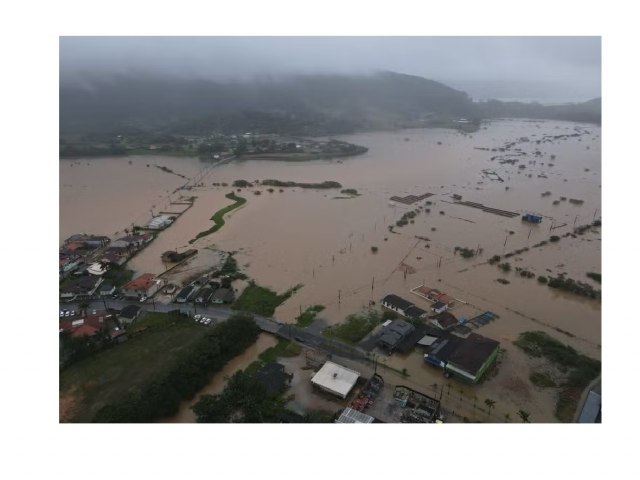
62	313
197	317
67	313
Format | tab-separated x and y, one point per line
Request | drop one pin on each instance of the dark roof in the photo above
446	319
186	291
390	339
473	352
224	294
397	301
273	377
415	312
438	305
401	327
444	348
130	311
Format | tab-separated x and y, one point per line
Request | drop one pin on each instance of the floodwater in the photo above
304	236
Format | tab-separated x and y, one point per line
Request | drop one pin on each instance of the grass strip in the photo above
218	217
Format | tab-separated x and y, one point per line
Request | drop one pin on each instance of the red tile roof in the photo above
143	282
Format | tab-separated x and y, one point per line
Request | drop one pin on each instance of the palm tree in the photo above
524	415
490	403
507	417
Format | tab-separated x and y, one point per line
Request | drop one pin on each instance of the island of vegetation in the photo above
218	217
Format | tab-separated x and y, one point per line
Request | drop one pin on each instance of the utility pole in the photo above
505	240
594	214
339	291
574	222
529	234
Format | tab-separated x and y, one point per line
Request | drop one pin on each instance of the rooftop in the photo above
349	415
473	352
397	301
130	311
336	378
143	282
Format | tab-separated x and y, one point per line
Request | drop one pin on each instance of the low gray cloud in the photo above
484	66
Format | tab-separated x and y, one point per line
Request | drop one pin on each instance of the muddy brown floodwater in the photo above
310	237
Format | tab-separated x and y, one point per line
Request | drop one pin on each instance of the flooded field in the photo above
310	237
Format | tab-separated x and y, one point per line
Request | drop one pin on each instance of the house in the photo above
396	304
89	325
223	295
445	321
467	359
432	294
129	313
82	286
146	285
335	379
185	294
473	357
160	222
416	313
107	289
204	295
394	333
91	241
439	307
274	378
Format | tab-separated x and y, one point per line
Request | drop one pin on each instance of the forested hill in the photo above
302	105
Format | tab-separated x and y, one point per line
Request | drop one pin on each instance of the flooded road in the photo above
310	237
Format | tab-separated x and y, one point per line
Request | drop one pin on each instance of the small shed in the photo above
335	379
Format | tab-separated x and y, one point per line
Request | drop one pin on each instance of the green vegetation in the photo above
118	275
574	286
241	184
597	277
284	348
495	259
218	217
505	267
542	379
580	370
503	281
308	316
355	327
167	356
350	191
554	238
374	249
542	279
281	183
464	252
261	300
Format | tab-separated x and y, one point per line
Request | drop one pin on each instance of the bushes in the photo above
192	371
495	259
464	252
542	279
355	327
573	286
581	369
597	277
307	317
261	300
505	267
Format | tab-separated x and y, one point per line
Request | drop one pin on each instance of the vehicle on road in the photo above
67	313
197	317
62	313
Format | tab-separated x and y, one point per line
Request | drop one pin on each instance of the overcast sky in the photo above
530	68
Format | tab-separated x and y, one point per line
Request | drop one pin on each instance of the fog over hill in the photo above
319	85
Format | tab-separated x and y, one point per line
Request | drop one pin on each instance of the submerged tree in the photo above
524	415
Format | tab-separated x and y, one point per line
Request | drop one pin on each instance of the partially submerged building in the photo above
394	334
465	358
403	307
335	379
444	321
433	295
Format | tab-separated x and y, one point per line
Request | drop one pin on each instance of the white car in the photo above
197	317
208	321
62	313
93	312
204	320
